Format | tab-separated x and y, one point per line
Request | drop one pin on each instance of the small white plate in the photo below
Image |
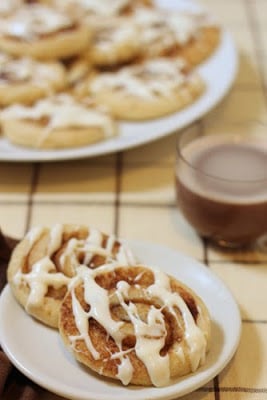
218	71
37	351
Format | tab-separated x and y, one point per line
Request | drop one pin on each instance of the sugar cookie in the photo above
148	90
114	41
24	80
59	121
193	36
44	262
134	324
41	32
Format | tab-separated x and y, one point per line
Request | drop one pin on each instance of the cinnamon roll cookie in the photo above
44	262
134	324
147	90
58	121
193	36
24	80
41	32
114	41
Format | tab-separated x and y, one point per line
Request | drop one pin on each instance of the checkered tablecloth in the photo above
132	194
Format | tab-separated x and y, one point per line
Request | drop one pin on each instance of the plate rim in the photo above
192	113
171	390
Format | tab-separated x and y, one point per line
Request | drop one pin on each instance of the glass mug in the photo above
221	182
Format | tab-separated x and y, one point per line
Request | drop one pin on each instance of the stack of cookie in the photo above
70	70
120	318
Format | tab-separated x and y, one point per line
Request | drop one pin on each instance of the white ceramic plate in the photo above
218	72
37	350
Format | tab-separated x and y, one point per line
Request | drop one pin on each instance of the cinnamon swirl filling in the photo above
44	263
135	324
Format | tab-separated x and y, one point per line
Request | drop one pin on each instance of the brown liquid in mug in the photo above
232	206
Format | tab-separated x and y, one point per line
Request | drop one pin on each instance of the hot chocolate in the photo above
222	188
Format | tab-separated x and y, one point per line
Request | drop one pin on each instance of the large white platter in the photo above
219	73
37	351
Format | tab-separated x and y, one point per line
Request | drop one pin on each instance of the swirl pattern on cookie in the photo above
58	121
24	80
193	36
45	261
134	324
114	41
42	32
133	59
147	90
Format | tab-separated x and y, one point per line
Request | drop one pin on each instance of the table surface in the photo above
132	195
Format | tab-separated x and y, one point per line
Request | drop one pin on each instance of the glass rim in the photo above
185	130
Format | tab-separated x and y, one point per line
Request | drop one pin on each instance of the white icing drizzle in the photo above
154	77
164	29
154	30
63	111
32	20
113	32
184	26
33	235
82	323
91	246
125	370
56	234
70	253
110	243
92	249
98	300
150	334
95	237
42	275
44	272
194	337
26	69
150	339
